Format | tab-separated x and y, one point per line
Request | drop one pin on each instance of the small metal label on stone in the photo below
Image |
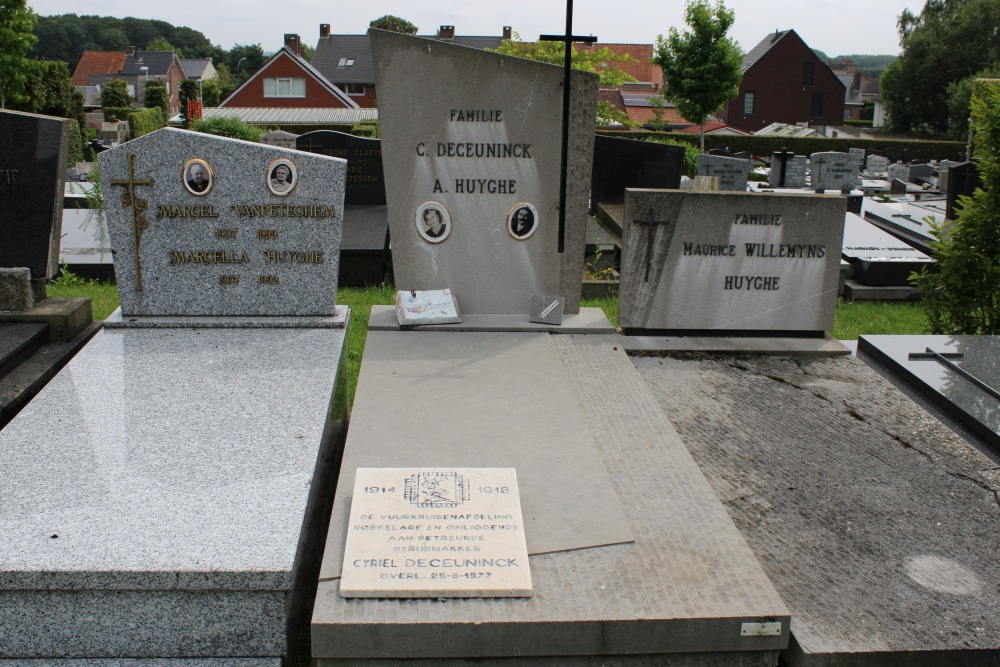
766	629
430	533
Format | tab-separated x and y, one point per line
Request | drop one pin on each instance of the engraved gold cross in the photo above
139	206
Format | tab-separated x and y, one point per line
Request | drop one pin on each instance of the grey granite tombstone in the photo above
833	171
858	153
279	138
877	258
877	164
32	172
193	437
471	149
730	262
732	172
897	171
794	170
921	173
238	243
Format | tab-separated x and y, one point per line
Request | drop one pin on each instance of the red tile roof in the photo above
642	69
644	115
97	62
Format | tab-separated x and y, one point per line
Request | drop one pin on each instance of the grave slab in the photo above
686	584
855	291
588	320
963	378
481	163
906	221
878	259
876	523
730	262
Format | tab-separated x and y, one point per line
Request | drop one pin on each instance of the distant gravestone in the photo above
732	172
365	176
897	171
878	258
472	180
877	164
279	138
730	262
32	174
833	171
858	153
205	225
627	163
920	174
963	179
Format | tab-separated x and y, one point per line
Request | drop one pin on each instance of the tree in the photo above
950	40
157	97
159	43
599	61
17	21
211	92
963	295
393	24
188	90
228	127
701	66
114	94
959	101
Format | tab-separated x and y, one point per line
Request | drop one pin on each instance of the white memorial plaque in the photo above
435	533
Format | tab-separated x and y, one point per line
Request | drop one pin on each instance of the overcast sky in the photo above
837	27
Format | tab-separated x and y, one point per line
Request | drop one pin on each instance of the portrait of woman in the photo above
197	177
282	177
433	222
522	221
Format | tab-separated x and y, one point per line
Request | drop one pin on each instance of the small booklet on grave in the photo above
415	307
435	533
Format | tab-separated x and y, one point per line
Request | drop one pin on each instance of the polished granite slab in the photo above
974	406
155	492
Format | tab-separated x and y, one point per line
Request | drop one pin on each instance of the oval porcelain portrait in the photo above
282	177
197	177
433	222
522	221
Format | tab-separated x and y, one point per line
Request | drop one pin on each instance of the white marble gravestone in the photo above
159	490
730	262
471	151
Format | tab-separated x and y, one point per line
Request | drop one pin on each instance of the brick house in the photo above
288	81
785	82
135	68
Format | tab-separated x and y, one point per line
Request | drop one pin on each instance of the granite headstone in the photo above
899	171
877	164
963	179
788	170
834	171
471	147
279	138
730	262
32	173
206	225
627	163
365	177
732	172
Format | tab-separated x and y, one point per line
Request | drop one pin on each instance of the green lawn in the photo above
853	318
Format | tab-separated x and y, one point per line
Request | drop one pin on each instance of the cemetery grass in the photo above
853	318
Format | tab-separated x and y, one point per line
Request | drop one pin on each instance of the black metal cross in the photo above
567	39
944	358
650	237
784	165
139	206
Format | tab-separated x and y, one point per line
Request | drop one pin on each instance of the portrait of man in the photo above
521	221
433	222
197	177
281	177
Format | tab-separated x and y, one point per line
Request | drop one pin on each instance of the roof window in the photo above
346	62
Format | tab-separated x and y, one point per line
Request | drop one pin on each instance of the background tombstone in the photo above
794	167
471	138
921	174
279	138
32	175
732	172
718	263
859	154
627	163
877	258
877	164
833	171
963	179
897	171
364	246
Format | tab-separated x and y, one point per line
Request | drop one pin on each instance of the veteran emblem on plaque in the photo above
436	489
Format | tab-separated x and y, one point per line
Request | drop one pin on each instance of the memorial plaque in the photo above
627	163
32	173
471	142
834	171
878	258
732	172
206	225
365	177
730	262
435	533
